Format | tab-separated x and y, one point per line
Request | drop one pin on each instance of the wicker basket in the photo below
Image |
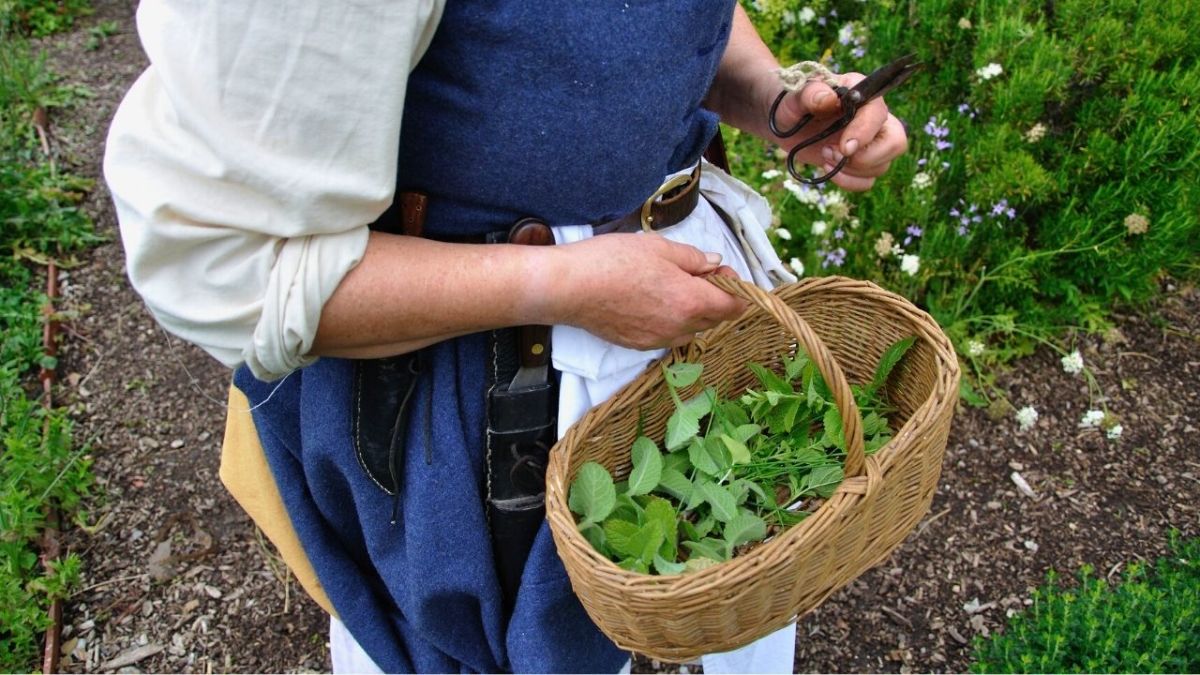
677	618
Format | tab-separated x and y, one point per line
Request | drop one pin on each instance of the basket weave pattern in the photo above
845	326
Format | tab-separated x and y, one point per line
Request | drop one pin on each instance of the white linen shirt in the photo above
248	160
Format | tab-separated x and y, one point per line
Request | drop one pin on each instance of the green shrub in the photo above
1032	200
1148	623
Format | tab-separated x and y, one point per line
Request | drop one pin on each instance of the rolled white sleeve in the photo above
247	161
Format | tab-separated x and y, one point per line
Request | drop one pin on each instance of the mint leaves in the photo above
730	472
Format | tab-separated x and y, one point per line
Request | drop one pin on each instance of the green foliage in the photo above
41	17
1021	227
1147	623
40	219
745	475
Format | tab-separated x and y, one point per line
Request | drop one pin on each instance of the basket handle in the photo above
834	377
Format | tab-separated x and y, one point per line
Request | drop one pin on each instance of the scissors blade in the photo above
887	77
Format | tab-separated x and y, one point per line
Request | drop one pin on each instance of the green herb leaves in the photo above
733	470
592	494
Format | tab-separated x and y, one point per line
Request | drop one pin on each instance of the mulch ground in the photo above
177	579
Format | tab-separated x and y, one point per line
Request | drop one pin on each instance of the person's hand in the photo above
638	290
872	139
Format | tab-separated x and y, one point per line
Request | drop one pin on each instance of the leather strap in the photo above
670	210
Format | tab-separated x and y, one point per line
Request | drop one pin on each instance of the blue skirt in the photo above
418	591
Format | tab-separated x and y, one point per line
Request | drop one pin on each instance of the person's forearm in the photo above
636	290
409	292
745	82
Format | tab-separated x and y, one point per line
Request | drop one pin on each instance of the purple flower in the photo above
922	162
976	219
914	230
954	212
858	52
972	208
820	21
839	233
833	12
943	145
1011	213
998	207
963	231
836	258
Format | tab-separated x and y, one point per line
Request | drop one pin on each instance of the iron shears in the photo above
874	85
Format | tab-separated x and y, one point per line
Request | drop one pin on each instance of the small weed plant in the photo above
734	472
40	18
40	220
1147	623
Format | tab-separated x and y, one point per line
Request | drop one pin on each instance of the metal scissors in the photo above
876	84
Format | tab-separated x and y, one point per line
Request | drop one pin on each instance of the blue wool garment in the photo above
571	111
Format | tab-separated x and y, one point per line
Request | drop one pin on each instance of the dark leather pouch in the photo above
383	389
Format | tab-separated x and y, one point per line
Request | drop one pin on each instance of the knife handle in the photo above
534	341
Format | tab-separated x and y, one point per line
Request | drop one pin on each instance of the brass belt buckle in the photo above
671	184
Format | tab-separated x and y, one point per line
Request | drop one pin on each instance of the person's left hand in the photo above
872	139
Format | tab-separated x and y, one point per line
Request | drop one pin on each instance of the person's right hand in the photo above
638	290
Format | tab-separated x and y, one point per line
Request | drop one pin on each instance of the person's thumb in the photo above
691	259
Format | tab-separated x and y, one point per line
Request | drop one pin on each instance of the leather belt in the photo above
669	205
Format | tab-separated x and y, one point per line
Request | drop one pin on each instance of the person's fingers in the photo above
682	341
867	172
889	143
815	97
866	123
689	258
848	181
716	304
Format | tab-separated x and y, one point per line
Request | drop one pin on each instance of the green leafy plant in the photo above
734	471
41	17
40	466
1053	170
1149	622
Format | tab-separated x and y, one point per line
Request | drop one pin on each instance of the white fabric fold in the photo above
247	161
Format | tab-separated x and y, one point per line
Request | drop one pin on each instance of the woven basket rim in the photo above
849	492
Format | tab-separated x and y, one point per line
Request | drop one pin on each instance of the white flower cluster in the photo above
819	227
1027	417
910	264
771	174
803	193
989	71
797	266
1091	419
922	180
1073	363
975	348
1114	432
806	15
783	234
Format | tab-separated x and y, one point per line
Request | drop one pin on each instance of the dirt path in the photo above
176	574
221	600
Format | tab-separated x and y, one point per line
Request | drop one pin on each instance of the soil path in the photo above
176	575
